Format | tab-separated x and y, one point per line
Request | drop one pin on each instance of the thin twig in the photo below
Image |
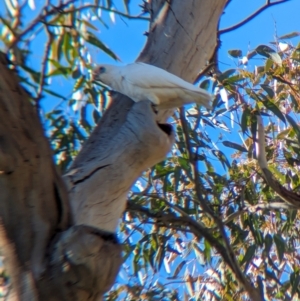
44	13
167	219
170	218
40	17
204	71
105	9
253	293
44	67
261	206
249	18
288	196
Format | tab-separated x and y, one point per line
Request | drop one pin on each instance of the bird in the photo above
140	81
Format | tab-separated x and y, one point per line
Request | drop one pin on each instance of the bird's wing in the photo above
150	77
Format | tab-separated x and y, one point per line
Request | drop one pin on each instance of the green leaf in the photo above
268	52
269	90
184	163
235	146
249	254
177	175
159	257
294	125
79	83
280	246
264	50
76	73
290	35
244	120
233	79
207	251
226	74
205	84
88	24
253	125
92	39
295	281
8	24
179	268
273	108
34	74
67	46
268	65
276	58
268	243
60	70
235	53
222	158
60	46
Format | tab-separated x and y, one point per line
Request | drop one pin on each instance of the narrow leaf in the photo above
249	254
179	268
280	246
269	90
235	146
295	126
244	120
92	39
222	158
235	53
290	35
226	74
273	108
264	50
268	52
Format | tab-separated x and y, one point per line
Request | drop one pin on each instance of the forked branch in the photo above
287	195
252	16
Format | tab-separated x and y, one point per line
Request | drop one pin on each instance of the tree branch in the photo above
86	6
44	67
253	293
47	13
40	17
252	16
108	166
199	231
260	206
287	195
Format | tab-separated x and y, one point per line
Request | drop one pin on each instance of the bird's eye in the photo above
102	70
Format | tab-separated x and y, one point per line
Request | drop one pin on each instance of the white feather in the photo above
141	81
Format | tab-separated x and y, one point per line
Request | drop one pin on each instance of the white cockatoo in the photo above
141	81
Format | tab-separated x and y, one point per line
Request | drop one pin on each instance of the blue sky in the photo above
276	20
126	39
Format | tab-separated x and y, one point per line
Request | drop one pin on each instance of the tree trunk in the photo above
54	255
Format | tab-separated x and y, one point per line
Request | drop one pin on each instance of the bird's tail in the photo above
202	97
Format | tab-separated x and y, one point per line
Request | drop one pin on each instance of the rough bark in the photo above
126	141
46	258
33	199
182	36
181	39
